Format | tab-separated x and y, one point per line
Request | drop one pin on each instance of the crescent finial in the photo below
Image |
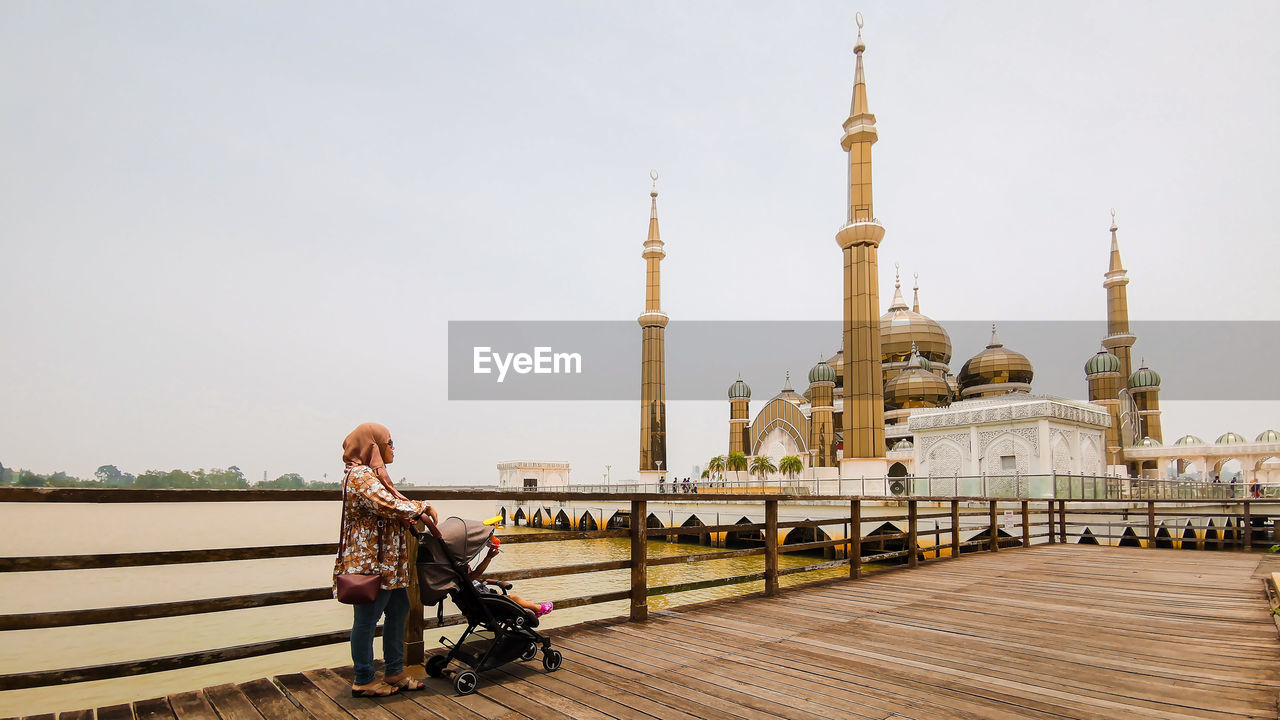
858	18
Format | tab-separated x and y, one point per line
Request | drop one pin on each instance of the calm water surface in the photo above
69	529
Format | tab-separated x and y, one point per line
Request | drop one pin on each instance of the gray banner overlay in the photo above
600	360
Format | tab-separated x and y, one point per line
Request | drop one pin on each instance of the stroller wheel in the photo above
436	665
465	682
530	652
551	660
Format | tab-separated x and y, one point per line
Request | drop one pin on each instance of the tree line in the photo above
110	476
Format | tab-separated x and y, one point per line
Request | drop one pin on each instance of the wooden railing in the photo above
1035	521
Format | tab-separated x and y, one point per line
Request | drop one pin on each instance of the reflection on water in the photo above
62	529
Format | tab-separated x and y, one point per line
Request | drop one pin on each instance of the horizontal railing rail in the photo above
971	524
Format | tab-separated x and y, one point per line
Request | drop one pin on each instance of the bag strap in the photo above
342	531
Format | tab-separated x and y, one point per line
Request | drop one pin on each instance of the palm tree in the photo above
790	465
736	462
762	466
715	466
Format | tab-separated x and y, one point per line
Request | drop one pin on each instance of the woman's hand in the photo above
429	512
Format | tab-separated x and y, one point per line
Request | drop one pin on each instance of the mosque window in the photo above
1008	462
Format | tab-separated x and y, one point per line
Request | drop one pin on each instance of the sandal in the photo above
406	682
545	608
376	689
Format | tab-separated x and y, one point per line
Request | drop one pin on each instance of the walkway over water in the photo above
1052	631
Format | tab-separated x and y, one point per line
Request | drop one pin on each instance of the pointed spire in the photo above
787	385
914	361
1116	265
898	303
915	303
995	339
654	238
859	106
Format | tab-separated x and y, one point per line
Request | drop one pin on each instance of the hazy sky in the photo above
233	231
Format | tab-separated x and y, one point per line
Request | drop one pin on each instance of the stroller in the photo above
503	631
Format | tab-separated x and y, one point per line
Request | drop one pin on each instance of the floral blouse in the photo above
370	509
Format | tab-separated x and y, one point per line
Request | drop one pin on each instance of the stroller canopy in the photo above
464	539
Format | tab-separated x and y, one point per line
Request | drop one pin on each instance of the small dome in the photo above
1148	442
1269	436
1188	440
915	387
739	390
822	372
903	444
789	393
1230	439
1103	362
1145	377
996	365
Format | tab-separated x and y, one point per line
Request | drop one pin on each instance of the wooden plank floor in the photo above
1051	632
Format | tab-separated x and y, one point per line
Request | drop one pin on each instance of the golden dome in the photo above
915	387
997	365
902	326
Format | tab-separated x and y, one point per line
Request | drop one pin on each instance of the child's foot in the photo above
545	608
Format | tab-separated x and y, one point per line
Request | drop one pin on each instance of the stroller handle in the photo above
431	527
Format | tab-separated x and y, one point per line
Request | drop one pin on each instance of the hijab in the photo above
368	445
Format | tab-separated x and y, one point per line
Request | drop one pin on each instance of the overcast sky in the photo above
233	231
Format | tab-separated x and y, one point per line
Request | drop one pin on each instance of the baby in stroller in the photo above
501	628
494	587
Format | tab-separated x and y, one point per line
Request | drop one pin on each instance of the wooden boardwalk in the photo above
1051	632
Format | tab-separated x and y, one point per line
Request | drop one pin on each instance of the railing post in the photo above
1247	528
995	530
912	516
1151	523
414	649
1062	521
1049	522
1026	525
955	529
639	561
770	547
855	539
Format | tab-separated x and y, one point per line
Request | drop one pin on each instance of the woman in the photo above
375	517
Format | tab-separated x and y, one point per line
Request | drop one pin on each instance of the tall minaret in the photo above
863	412
653	386
1119	341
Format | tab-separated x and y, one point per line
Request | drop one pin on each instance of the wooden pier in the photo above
1051	631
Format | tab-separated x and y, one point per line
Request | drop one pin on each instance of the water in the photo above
76	529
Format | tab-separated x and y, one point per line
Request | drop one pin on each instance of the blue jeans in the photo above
395	604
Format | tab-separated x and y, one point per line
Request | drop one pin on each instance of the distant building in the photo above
527	475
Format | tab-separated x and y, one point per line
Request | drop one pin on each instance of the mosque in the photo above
888	403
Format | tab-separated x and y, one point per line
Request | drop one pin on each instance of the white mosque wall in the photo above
1014	435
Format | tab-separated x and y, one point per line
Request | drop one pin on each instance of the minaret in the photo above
859	238
822	437
739	418
653	388
1102	373
915	302
1119	341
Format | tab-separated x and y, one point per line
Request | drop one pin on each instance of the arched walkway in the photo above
1189	539
744	538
